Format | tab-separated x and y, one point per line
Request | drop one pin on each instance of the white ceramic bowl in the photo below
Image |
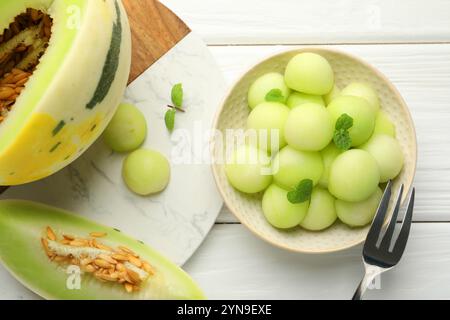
233	115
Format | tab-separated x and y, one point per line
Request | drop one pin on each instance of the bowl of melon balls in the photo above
309	139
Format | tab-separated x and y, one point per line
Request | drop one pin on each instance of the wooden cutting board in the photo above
154	31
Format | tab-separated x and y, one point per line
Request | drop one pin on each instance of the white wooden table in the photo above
409	41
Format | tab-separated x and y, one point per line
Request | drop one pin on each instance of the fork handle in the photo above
363	285
370	274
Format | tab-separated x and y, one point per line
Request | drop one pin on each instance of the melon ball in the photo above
321	212
263	85
279	212
291	166
309	127
329	154
268	119
333	94
354	176
384	125
309	73
387	153
247	169
297	98
359	214
364	91
146	172
127	130
362	114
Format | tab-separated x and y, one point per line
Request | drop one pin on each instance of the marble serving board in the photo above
176	221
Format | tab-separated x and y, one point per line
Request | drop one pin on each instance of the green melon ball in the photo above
321	213
354	176
384	125
146	172
309	127
387	153
127	130
279	212
268	119
362	114
364	91
359	214
247	169
329	154
263	85
333	94
297	98
291	166
309	73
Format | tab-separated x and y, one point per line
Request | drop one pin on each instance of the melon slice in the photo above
64	66
59	255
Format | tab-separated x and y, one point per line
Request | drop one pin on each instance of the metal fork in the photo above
379	258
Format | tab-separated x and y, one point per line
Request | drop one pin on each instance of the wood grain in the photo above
221	22
234	264
155	30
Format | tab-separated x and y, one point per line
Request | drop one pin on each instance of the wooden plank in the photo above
155	30
305	21
234	264
422	74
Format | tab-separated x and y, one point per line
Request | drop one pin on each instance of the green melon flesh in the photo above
23	224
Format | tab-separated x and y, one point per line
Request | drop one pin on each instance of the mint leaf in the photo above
302	192
275	95
344	122
342	139
177	95
170	119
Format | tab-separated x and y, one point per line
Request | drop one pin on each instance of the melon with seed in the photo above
64	66
55	254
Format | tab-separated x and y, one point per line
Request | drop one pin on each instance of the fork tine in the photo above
374	232
387	238
402	238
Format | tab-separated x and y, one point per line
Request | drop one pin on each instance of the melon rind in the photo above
56	119
22	224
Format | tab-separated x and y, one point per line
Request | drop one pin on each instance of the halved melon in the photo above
64	66
59	255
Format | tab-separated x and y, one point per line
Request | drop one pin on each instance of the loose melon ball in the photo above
359	214
362	114
329	154
364	91
279	212
247	169
297	98
146	172
387	153
309	127
127	130
354	176
321	213
291	166
384	125
263	85
333	94
309	73
268	119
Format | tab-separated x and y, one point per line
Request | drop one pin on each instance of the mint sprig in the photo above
341	137
275	95
302	192
177	95
170	119
177	99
